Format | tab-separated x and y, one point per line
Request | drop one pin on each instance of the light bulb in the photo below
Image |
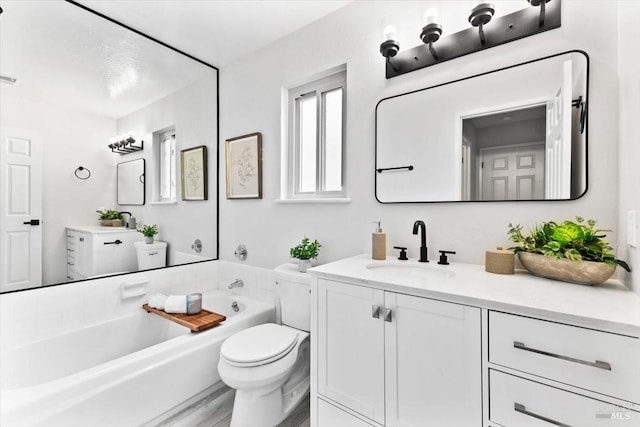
389	33
431	16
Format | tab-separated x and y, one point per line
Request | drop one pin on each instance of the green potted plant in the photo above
572	251
108	216
305	252
149	232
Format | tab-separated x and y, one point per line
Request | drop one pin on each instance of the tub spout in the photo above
238	283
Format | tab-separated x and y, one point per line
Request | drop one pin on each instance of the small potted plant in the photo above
305	252
572	251
108	216
149	232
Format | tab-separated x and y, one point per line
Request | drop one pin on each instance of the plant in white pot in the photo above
305	252
573	251
149	232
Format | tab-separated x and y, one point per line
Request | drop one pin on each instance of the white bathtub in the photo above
121	373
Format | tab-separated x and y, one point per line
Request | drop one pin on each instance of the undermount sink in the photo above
410	269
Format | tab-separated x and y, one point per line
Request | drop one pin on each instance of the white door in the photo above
351	347
513	172
558	139
433	372
21	209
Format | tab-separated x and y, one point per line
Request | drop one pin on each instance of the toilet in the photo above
153	255
268	364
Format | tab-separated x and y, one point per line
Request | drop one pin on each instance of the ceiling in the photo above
216	31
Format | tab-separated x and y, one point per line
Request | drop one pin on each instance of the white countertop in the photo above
608	306
100	229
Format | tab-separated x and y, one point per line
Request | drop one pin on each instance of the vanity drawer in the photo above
516	402
599	361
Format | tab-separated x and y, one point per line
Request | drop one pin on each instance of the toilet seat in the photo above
259	345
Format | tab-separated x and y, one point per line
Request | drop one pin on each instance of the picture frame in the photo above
193	179
244	166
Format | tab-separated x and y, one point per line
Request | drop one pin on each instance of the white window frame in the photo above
317	88
163	136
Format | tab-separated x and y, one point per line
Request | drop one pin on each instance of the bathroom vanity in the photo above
95	250
402	343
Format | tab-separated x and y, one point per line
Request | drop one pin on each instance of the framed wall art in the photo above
244	166
193	162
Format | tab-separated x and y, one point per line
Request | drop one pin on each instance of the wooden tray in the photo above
196	322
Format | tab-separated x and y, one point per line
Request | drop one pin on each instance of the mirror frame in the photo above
586	133
142	178
217	151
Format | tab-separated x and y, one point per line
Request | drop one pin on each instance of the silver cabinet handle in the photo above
70	250
523	410
597	364
387	315
375	311
70	263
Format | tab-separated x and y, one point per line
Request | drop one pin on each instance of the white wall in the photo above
251	102
71	138
192	112
629	147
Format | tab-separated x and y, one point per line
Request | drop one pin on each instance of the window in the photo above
316	139
167	166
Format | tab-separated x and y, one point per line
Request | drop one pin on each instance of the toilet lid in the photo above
263	343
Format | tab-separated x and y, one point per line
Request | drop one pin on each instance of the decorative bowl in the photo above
581	272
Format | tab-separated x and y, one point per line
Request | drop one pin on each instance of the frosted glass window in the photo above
316	148
167	161
308	143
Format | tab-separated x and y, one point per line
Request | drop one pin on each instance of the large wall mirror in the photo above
71	82
518	133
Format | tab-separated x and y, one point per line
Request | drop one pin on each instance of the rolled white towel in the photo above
157	301
176	304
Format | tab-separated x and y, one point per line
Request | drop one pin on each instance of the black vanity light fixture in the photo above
125	144
520	24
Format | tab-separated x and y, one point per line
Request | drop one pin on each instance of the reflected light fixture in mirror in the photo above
513	26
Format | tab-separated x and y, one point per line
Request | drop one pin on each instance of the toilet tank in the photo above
152	255
294	289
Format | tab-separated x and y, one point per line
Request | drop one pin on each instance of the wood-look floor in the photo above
215	411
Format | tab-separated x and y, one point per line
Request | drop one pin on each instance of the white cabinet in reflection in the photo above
94	251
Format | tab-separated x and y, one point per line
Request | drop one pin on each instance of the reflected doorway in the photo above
504	154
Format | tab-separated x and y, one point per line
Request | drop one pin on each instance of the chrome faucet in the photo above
423	239
238	283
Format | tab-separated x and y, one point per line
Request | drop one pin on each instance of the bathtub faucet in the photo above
238	283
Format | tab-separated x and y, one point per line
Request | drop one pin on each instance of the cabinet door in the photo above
432	363
112	257
351	347
330	416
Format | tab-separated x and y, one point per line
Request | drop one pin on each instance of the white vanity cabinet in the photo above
574	376
414	346
93	250
395	359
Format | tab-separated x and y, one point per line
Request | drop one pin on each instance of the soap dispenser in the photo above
378	243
